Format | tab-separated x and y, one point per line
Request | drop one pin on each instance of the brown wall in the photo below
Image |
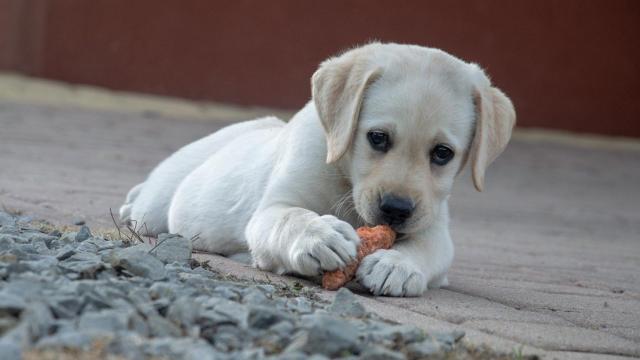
569	64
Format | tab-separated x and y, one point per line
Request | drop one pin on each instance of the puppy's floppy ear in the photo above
495	118
338	88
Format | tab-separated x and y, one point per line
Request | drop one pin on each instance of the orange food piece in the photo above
371	239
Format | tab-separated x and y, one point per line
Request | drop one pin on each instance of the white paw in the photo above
326	244
388	272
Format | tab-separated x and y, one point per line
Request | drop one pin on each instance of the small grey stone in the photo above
423	349
85	264
95	245
139	296
284	329
6	219
300	305
17	268
346	304
254	296
318	357
184	311
38	318
74	339
7	242
226	337
55	233
94	302
25	219
212	318
175	268
267	289
10	351
125	345
263	317
62	325
188	348
199	280
66	252
112	320
165	290
83	234
377	352
68	238
447	339
226	293
26	286
10	229
7	322
161	327
235	312
41	241
398	333
41	265
138	262
292	355
64	306
326	335
161	305
249	354
11	343
172	248
201	271
78	221
203	352
11	304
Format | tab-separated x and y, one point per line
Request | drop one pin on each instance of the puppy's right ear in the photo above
338	88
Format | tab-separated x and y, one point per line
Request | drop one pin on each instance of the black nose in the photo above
395	210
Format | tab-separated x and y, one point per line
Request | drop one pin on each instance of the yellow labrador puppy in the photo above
387	131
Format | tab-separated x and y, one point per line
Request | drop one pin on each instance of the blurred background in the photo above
571	65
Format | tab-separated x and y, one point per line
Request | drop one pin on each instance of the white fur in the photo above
293	193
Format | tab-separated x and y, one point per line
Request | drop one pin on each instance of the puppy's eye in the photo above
441	155
379	140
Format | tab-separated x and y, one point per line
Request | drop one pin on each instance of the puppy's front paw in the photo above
326	244
387	272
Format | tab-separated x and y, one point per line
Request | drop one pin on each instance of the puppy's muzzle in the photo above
395	210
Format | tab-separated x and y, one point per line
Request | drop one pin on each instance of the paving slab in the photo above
547	257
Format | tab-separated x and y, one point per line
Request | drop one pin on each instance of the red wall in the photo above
568	64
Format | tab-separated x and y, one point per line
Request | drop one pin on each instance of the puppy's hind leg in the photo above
126	208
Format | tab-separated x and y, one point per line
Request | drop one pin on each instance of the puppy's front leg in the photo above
411	266
287	239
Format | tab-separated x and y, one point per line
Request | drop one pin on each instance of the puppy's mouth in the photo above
400	237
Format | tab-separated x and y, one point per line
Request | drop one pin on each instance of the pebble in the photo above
345	304
85	264
68	237
66	252
6	219
263	317
137	261
172	248
327	335
11	304
83	234
67	290
377	352
183	311
423	349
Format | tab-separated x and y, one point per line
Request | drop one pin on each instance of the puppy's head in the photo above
402	121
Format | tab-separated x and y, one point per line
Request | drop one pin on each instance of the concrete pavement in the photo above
547	257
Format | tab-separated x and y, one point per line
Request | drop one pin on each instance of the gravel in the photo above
78	292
